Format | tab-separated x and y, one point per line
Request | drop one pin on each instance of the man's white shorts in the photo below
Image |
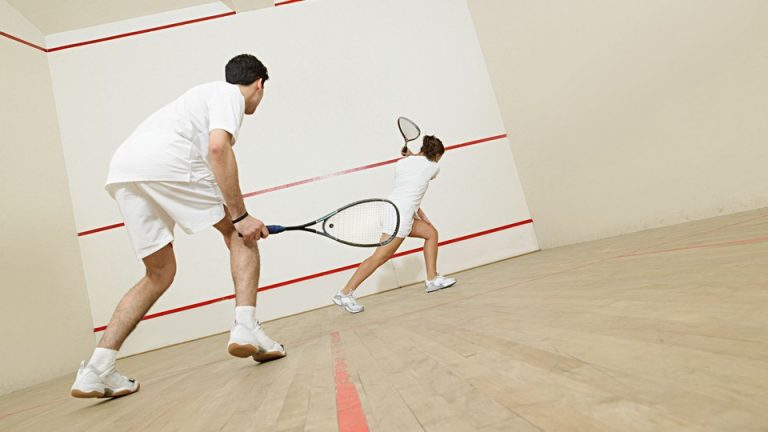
151	210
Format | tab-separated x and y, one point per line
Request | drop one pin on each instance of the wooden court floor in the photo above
663	330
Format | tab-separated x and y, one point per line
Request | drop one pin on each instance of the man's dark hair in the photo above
245	69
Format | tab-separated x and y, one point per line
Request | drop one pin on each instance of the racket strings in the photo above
366	223
408	129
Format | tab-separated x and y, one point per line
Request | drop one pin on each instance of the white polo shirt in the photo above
412	176
172	143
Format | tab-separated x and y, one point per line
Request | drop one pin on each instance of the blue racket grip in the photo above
275	229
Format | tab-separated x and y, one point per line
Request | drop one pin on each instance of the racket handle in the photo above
275	229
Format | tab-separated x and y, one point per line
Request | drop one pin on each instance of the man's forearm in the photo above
224	167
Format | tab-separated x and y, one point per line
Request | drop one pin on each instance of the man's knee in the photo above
161	266
164	274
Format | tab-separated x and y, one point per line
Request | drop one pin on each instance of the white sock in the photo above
102	359
246	315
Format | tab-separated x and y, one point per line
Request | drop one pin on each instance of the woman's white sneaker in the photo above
438	283
90	383
348	302
253	342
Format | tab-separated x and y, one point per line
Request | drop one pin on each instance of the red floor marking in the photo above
6	415
349	410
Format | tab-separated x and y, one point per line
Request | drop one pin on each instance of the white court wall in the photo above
629	115
341	72
45	321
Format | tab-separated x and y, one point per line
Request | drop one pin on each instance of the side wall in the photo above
45	319
628	115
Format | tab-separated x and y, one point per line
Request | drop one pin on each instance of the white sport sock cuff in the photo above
246	315
103	359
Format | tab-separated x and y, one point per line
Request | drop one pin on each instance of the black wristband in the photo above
245	215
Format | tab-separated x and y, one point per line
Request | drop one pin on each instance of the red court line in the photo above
14	38
95	230
323	273
322	177
21	411
138	32
349	409
287	2
466	237
318	178
698	246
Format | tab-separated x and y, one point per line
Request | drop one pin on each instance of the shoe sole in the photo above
86	395
248	350
102	395
268	356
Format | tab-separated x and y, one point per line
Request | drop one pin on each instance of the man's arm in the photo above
224	167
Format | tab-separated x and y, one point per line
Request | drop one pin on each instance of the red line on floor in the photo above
318	178
138	32
349	409
287	2
466	237
3	416
698	246
321	274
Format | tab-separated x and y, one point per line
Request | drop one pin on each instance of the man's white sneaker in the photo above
438	283
90	383
253	342
348	302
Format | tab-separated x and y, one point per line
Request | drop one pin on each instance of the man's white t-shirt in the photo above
412	176
172	143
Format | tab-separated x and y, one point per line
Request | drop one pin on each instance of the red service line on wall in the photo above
14	38
118	36
325	273
138	32
133	33
318	178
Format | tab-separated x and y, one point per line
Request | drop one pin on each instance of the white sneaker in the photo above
438	283
90	383
348	302
253	342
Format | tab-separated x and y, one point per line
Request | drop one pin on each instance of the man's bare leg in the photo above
247	338
160	271
99	378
